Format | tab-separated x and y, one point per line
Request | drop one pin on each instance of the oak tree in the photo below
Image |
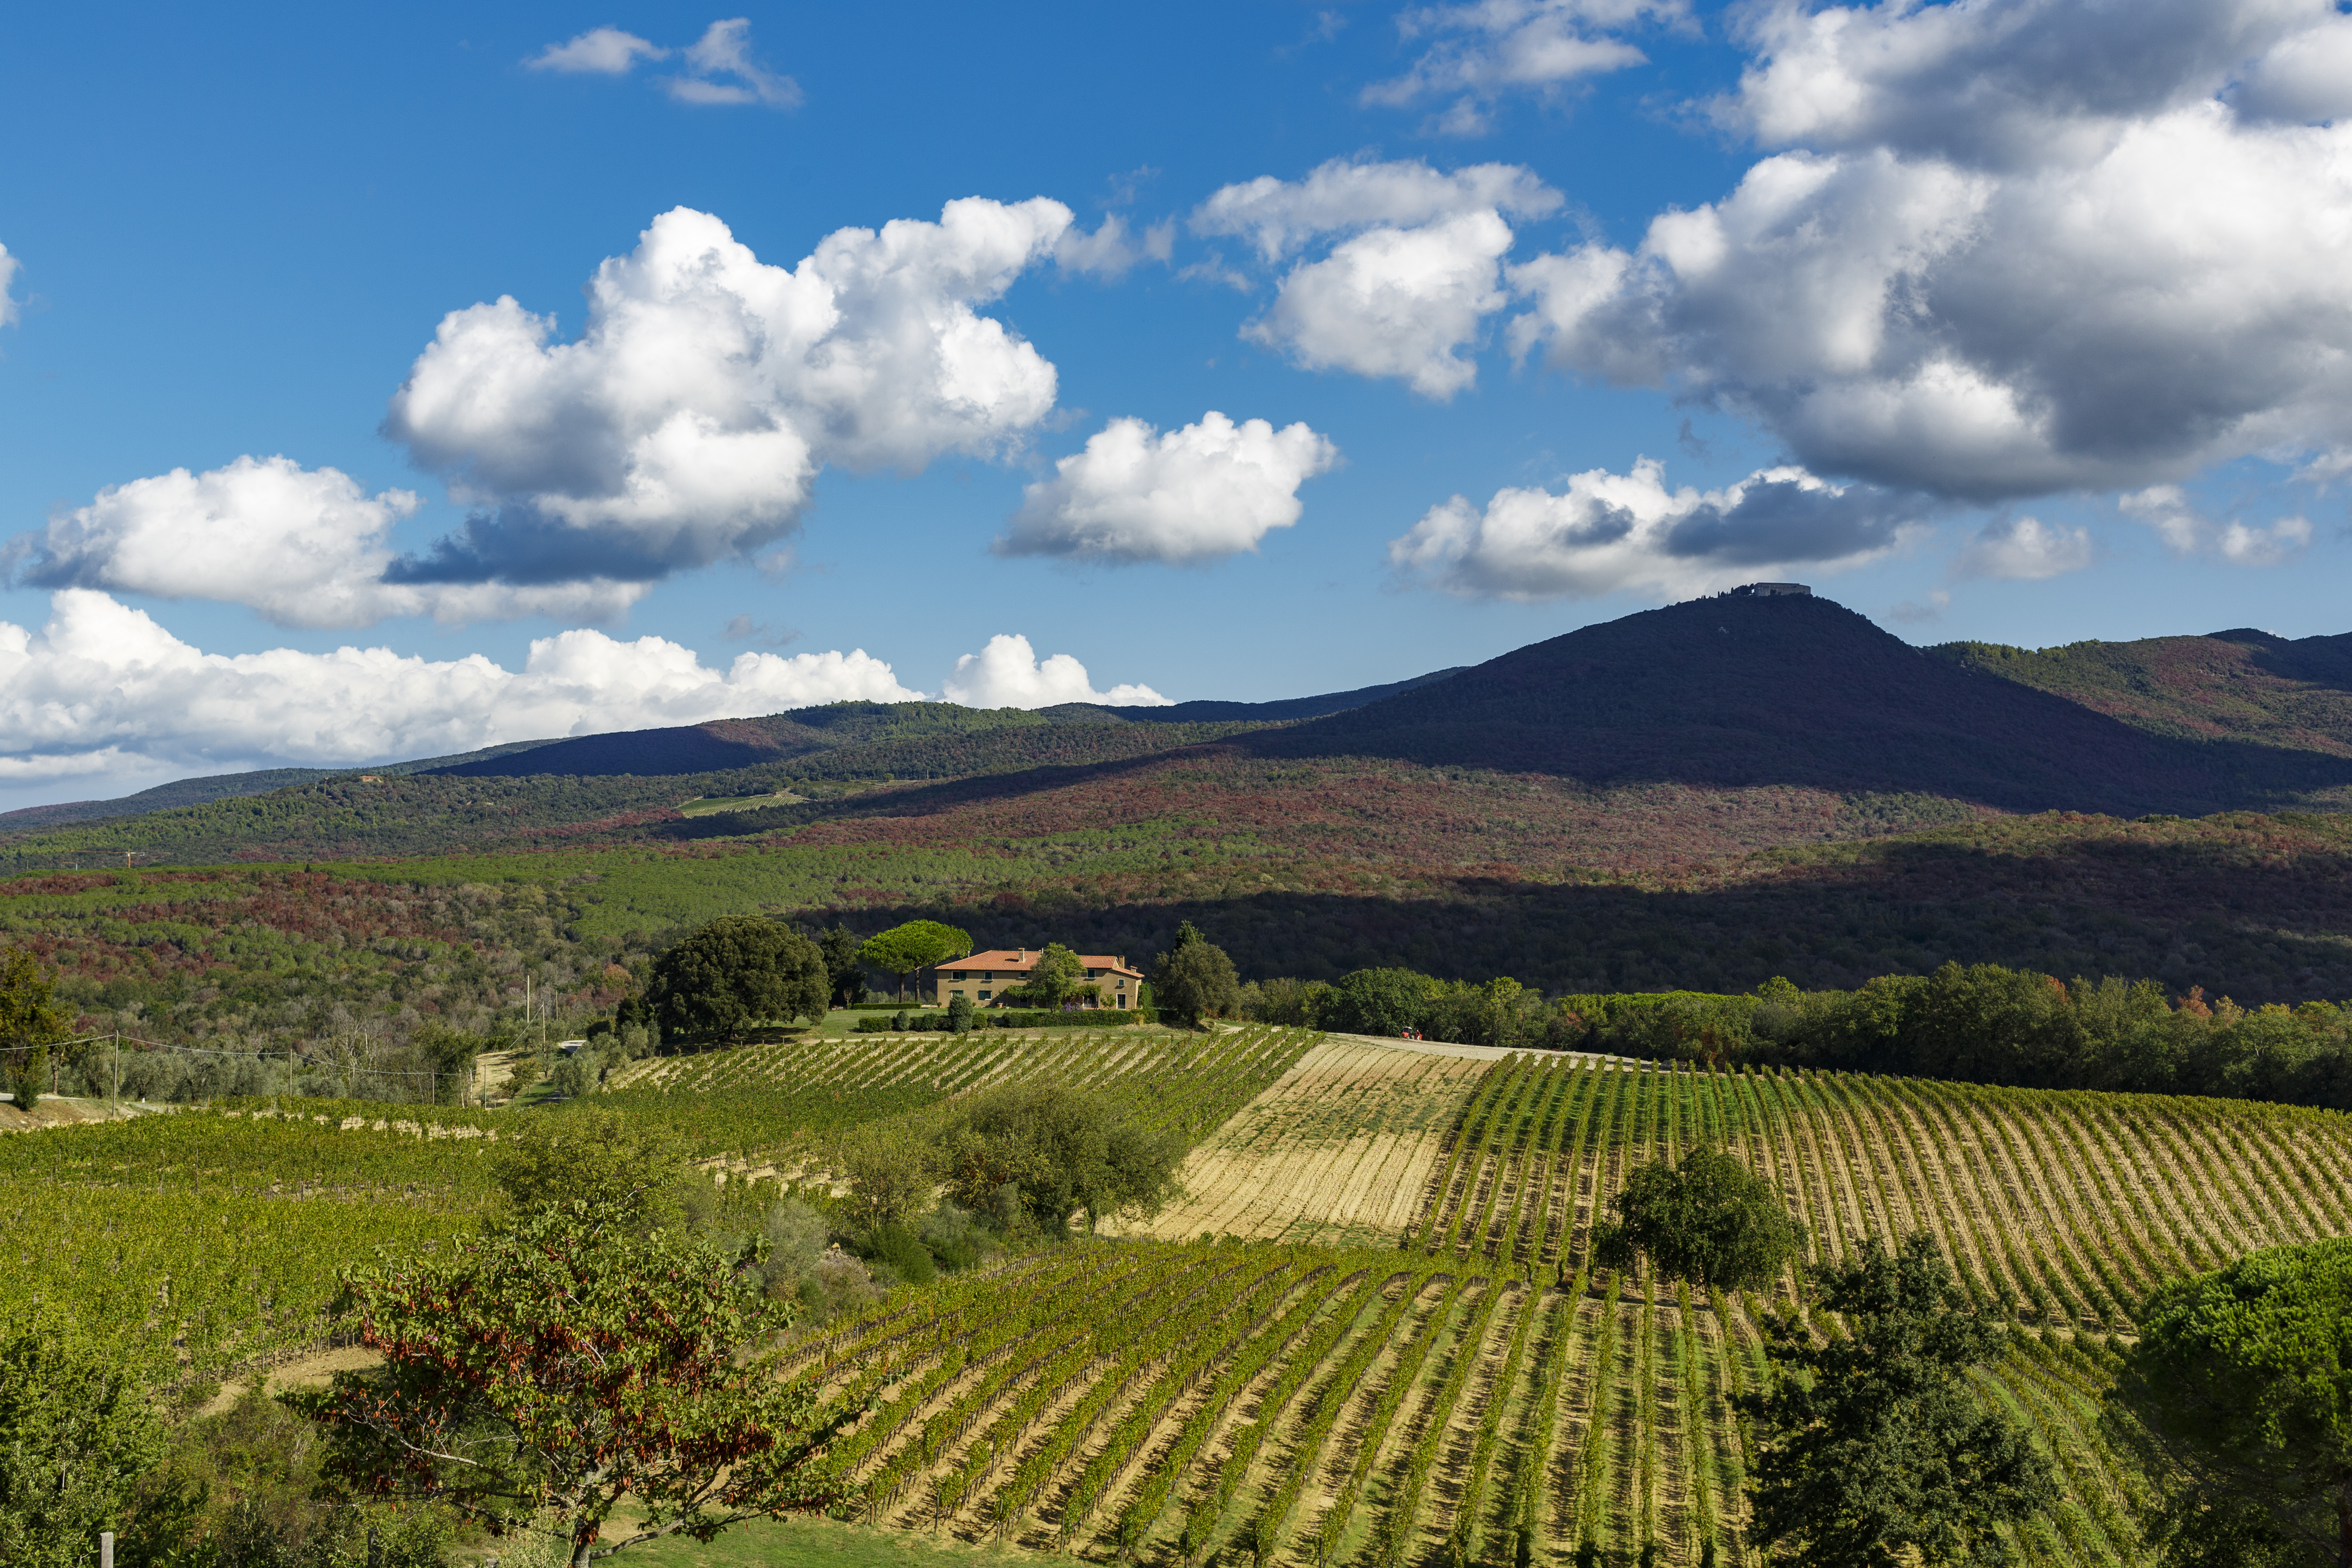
844	973
30	1020
1048	1151
733	972
2244	1376
1709	1220
1872	1447
1057	975
1194	979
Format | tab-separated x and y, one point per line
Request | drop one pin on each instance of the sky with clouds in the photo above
386	386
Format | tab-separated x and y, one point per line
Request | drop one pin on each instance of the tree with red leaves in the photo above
559	1363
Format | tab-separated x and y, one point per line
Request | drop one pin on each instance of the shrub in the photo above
956	1237
1062	1150
902	1252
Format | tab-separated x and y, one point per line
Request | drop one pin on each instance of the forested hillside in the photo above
1734	829
2242	685
2255	908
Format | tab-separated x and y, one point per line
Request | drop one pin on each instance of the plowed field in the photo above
1336	1152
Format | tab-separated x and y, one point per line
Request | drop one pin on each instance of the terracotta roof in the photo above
1023	959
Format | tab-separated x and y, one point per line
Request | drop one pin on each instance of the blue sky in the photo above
1986	343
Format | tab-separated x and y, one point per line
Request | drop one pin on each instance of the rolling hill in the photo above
1728	693
1700	796
2240	685
1736	692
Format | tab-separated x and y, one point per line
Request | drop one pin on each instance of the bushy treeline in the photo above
1980	1024
1392	1001
431	1066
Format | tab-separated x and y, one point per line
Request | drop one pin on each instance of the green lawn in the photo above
844	1021
711	805
799	1542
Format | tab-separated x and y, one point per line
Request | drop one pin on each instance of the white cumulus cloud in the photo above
8	265
1628	533
1281	217
2005	83
2008	249
688	419
1008	673
1209	490
305	547
1475	53
1414	272
1395	303
103	684
2023	549
600	51
2185	531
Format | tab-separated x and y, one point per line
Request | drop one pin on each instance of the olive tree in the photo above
77	1435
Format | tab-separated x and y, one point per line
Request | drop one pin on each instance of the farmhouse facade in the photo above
984	975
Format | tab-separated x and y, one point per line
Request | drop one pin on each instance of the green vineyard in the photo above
1216	1387
763	1098
1481	1395
208	1237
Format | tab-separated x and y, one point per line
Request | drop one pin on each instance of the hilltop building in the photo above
984	975
1772	591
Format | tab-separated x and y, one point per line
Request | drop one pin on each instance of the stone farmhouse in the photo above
984	975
